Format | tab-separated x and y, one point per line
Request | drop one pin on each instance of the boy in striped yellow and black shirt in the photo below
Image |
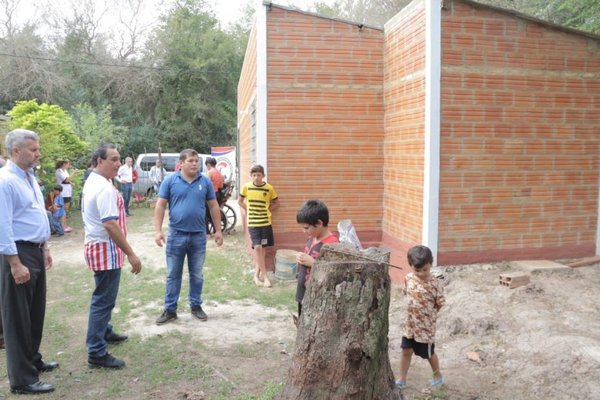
259	198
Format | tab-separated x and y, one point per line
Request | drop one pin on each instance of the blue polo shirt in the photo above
187	201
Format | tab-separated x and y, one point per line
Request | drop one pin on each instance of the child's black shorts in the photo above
423	350
261	236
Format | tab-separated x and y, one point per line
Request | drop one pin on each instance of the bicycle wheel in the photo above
210	227
230	216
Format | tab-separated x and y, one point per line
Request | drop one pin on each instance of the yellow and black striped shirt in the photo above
258	200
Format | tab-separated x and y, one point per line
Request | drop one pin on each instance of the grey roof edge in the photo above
472	3
528	17
268	3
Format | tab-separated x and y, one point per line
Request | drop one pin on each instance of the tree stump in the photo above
342	340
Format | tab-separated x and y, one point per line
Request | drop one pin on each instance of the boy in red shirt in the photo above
313	216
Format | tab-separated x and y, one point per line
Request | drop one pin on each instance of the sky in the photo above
227	11
230	10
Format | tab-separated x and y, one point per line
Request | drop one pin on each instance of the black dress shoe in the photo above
106	361
34	388
47	367
113	337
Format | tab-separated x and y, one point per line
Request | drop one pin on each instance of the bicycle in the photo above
228	215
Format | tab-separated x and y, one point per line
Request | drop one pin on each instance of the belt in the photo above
30	244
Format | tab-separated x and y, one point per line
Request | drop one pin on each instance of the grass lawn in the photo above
167	364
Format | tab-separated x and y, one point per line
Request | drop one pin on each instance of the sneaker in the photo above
437	381
68	229
199	313
106	361
401	384
165	317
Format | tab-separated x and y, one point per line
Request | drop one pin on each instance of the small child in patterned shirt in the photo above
425	296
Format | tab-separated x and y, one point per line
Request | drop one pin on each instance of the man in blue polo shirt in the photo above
187	194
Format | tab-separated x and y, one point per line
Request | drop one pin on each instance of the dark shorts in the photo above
261	236
67	200
423	350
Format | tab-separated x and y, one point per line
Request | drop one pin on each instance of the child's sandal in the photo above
437	381
401	384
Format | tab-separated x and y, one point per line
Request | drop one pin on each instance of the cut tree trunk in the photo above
342	340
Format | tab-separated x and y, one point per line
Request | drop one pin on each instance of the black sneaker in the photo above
165	317
199	313
115	338
106	361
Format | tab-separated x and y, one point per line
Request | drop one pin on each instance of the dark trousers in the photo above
23	310
127	190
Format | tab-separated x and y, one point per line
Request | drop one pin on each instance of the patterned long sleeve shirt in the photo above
425	298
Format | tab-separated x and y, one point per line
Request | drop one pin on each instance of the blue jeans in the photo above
127	190
103	302
55	225
180	244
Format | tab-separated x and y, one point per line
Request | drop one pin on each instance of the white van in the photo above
145	161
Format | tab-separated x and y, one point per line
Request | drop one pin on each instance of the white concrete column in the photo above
433	74
261	83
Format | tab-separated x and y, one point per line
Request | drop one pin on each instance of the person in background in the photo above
24	259
157	175
103	212
87	172
215	177
63	178
313	217
57	219
425	296
258	199
187	193
125	176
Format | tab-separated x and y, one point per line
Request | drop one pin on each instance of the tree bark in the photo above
342	341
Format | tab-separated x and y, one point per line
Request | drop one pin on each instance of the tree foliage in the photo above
578	14
96	128
197	89
171	82
58	141
374	13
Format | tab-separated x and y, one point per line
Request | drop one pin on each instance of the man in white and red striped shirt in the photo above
106	247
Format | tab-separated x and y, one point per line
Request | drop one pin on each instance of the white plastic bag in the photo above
348	234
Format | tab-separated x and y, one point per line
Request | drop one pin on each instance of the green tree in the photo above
373	13
579	14
57	139
201	66
96	128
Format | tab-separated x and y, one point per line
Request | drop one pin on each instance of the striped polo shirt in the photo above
102	202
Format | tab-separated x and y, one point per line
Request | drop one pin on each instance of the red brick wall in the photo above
325	121
246	97
520	141
404	100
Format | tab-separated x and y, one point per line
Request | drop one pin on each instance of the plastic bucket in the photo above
285	264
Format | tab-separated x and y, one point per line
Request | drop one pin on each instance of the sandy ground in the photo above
539	341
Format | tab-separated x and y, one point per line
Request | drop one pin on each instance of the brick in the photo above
514	279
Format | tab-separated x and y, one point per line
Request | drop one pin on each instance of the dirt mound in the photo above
539	341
